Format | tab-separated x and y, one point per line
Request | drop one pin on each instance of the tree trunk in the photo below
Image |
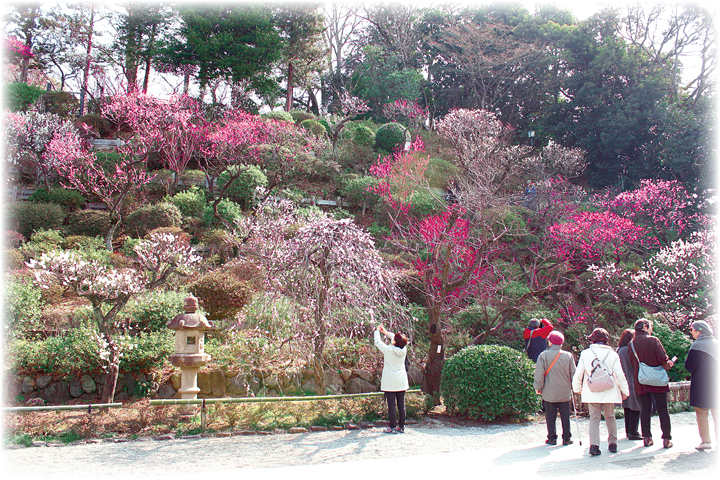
290	80
436	356
108	393
111	234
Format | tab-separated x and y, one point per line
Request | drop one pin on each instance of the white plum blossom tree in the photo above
109	288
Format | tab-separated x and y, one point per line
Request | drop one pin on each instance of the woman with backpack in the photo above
601	383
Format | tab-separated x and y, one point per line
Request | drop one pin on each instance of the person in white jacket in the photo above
600	401
394	381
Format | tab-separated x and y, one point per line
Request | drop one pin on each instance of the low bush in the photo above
147	351
191	202
20	95
391	136
228	210
140	222
151	312
280	115
23	306
70	200
221	294
91	223
42	241
313	126
489	383
28	217
242	189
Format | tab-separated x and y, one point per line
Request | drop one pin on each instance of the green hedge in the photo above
78	351
71	200
90	223
490	383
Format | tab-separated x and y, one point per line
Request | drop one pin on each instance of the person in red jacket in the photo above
535	336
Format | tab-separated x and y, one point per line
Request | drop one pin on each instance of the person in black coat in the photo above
701	363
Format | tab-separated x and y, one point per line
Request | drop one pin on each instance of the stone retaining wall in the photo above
49	390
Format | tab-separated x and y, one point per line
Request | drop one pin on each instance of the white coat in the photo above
612	363
394	376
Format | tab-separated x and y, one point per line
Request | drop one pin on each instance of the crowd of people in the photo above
635	376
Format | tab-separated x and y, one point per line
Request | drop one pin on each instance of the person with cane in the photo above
554	371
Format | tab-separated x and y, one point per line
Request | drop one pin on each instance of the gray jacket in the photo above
556	386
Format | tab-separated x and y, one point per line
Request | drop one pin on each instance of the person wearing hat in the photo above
600	402
647	349
701	363
535	336
554	371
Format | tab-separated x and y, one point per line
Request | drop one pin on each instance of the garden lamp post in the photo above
189	347
531	135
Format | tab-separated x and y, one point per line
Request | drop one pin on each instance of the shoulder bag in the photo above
650	376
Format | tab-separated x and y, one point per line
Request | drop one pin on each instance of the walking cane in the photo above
577	423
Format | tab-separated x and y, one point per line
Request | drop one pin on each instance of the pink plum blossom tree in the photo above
326	266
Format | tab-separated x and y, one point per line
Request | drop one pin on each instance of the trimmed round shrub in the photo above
150	351
489	383
191	202
390	136
221	294
90	223
242	189
227	209
14	259
142	221
279	115
363	135
71	200
28	217
313	126
299	115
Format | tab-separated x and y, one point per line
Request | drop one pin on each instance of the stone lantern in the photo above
189	346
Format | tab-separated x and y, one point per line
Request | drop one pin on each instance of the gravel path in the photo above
212	456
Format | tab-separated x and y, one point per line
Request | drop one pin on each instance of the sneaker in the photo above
567	441
594	450
704	446
648	441
612	448
551	441
400	430
389	430
667	443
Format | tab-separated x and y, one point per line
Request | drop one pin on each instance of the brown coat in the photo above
649	350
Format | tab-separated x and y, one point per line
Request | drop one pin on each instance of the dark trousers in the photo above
632	422
646	404
551	411
394	398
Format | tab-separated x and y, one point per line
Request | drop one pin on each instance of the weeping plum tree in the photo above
325	266
108	288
